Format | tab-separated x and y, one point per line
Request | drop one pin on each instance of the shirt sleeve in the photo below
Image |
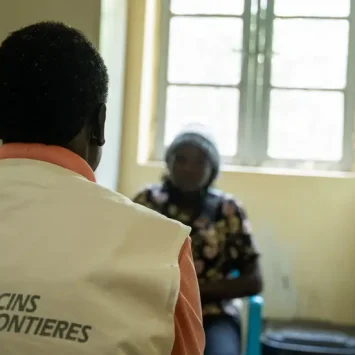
189	333
240	248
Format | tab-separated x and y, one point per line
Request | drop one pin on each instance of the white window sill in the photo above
268	171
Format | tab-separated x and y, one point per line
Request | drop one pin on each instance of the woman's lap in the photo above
222	335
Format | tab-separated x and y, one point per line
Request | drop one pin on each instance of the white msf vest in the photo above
82	269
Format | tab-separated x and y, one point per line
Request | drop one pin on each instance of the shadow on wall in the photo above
280	294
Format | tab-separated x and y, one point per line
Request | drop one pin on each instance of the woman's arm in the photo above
240	254
249	283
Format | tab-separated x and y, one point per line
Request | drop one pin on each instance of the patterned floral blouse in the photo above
221	233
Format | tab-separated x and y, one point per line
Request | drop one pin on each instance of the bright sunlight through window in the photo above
273	79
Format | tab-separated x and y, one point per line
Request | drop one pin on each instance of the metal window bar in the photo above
259	139
346	162
349	105
244	111
255	87
247	104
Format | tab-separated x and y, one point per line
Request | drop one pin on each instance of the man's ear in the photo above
98	128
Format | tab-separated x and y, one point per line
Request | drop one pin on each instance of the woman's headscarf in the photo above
200	137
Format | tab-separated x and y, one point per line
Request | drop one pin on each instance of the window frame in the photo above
254	101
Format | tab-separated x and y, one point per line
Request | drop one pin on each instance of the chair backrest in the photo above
234	274
250	313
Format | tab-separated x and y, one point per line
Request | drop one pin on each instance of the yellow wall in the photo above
82	14
305	226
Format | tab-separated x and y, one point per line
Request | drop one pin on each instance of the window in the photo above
273	79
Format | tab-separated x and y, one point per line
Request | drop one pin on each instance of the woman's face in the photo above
189	168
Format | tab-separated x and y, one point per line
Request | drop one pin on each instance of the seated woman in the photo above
221	234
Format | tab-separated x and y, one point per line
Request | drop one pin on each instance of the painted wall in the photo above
305	226
82	14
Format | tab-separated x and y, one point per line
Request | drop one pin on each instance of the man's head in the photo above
193	160
53	90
